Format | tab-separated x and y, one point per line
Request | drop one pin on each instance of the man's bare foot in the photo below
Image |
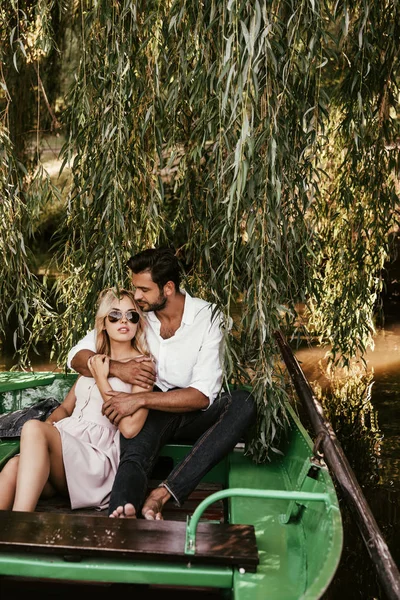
124	512
154	504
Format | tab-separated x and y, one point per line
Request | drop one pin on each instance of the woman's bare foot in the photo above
124	512
154	504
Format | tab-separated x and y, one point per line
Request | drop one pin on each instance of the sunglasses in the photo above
130	315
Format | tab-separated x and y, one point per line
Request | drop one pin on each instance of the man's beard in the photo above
159	305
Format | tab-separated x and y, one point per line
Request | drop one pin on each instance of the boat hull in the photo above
290	502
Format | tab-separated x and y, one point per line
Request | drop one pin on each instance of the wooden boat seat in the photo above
77	536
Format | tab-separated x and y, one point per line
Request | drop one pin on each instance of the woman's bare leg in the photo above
8	483
40	461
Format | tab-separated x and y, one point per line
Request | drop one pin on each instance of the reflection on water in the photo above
387	400
349	408
364	414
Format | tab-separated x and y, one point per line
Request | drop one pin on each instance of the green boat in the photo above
254	531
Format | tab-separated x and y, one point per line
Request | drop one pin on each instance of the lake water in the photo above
374	455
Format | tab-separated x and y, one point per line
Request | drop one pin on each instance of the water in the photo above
370	437
374	454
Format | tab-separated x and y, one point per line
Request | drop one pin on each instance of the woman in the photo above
76	451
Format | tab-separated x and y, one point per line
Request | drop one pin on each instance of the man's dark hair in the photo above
161	263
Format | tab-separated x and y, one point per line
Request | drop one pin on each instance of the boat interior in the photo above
247	526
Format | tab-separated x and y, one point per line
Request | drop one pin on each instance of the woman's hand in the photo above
99	366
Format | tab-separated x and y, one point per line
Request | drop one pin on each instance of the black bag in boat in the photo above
11	423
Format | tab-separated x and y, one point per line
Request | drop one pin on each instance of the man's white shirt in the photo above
192	357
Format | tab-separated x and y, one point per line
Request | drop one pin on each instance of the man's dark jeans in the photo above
214	433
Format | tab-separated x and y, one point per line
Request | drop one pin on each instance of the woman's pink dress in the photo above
90	446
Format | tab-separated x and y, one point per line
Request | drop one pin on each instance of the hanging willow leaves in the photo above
260	139
24	304
357	208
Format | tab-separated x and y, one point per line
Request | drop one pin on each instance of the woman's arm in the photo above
66	407
130	426
99	366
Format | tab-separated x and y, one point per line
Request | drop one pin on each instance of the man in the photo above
185	338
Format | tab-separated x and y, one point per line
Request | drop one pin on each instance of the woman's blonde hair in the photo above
105	303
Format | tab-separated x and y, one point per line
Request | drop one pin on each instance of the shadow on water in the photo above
365	419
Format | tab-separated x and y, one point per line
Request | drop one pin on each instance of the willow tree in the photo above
257	138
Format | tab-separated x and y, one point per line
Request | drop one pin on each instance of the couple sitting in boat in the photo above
150	373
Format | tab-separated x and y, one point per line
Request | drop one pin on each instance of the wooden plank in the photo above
171	512
77	536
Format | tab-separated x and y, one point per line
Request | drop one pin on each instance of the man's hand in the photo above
121	404
137	371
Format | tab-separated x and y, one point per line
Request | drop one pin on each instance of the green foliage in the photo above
259	138
356	208
22	295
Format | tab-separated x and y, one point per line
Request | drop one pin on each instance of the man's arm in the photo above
122	404
80	360
138	371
